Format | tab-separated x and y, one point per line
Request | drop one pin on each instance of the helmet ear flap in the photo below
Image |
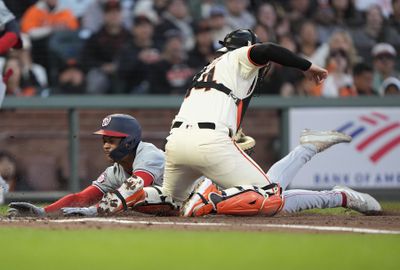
127	146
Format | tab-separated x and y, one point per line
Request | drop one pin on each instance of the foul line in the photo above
221	224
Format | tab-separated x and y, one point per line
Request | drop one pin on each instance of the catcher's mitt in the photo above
246	143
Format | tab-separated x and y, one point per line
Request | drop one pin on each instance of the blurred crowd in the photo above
156	46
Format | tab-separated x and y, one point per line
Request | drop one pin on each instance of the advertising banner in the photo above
371	160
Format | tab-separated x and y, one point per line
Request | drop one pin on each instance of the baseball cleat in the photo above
130	193
323	139
198	204
360	202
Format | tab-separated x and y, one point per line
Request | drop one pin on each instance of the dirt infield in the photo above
388	223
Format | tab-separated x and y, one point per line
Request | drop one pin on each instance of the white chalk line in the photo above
221	224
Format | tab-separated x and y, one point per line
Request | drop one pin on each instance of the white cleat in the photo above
323	139
360	202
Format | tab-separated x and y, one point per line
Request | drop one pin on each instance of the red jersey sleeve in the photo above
147	177
86	197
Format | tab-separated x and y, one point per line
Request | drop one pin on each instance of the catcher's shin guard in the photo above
248	201
198	204
156	203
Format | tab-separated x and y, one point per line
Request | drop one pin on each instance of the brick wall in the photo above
39	141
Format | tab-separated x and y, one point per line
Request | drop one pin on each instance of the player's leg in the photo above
297	200
311	143
284	171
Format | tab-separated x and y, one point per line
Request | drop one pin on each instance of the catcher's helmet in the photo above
122	126
237	39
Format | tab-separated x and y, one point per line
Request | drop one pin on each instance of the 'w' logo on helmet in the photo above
377	134
106	121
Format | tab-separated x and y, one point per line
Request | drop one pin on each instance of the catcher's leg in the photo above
240	200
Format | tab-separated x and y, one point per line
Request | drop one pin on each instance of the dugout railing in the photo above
73	104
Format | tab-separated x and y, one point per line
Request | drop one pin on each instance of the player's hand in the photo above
25	209
316	74
80	211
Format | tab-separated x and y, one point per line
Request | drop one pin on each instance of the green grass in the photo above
26	248
33	248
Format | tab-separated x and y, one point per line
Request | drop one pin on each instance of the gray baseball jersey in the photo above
5	14
148	159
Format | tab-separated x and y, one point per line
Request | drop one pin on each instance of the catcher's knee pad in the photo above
248	201
156	203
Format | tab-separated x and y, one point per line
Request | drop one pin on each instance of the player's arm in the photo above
10	38
147	177
86	197
261	54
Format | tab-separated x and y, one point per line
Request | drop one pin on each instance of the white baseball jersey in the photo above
148	158
235	71
5	14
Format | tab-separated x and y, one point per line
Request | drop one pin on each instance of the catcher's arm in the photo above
246	143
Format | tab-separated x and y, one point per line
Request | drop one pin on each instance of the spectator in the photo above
238	16
335	15
19	7
307	39
176	17
30	72
339	82
40	21
171	75
374	31
93	17
262	33
384	56
77	7
10	172
266	16
218	23
390	86
362	76
20	83
200	9
203	51
298	10
71	78
340	40
100	52
394	20
153	9
384	5
137	57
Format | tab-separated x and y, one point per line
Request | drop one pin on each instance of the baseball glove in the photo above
246	143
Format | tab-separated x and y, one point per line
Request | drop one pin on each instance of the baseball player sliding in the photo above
131	158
